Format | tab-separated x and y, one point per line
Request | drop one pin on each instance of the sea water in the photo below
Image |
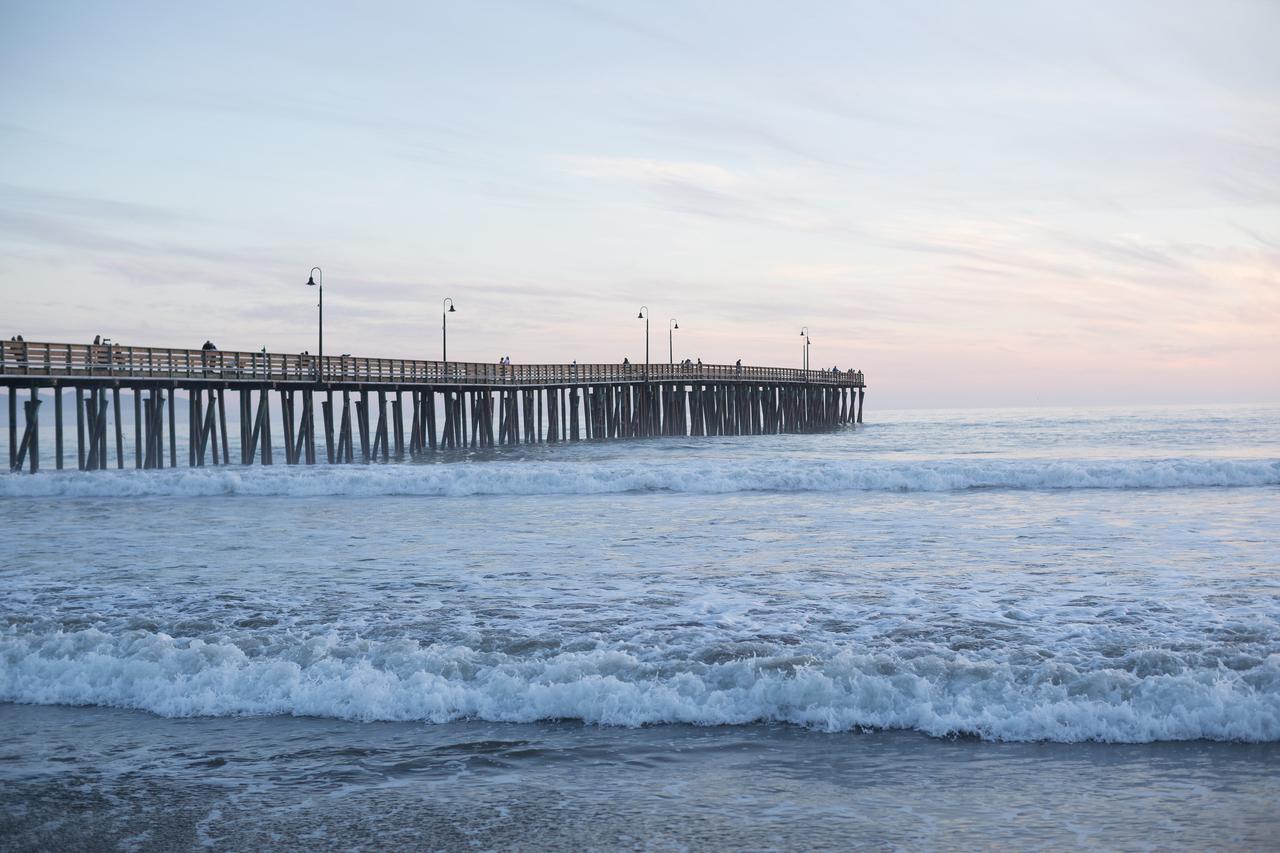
1041	627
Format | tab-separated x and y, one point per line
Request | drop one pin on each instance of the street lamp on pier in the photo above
644	315
804	333
672	325
446	308
317	273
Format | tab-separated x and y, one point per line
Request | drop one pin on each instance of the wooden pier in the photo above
362	404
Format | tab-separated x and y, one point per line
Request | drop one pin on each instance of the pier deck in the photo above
452	405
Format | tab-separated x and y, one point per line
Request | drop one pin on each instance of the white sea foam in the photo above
402	680
692	476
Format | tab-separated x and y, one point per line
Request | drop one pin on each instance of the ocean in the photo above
944	629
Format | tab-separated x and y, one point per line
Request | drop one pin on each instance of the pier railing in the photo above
29	358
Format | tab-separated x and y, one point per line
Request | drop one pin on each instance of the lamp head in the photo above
640	316
676	326
311	281
451	308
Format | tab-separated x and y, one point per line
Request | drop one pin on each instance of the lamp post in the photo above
644	315
311	282
444	328
804	333
672	325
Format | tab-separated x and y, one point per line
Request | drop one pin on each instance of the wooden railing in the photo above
27	358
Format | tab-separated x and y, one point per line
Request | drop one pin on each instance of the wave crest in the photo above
440	683
613	477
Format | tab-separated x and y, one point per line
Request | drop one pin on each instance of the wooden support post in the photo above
153	413
366	451
513	417
119	428
264	411
309	419
345	451
326	415
211	428
519	413
57	425
502	417
397	422
862	393
137	427
299	438
461	423
33	424
549	394
460	417
470	421
196	404
296	437
29	448
477	412
380	436
328	425
157	428
99	420
429	410
91	423
80	460
446	433
222	423
148	431
159	396
286	424
154	444
488	417
173	426
613	415
507	413
13	428
154	430
148	445
360	429
362	418
246	430
449	426
193	408
102	429
415	423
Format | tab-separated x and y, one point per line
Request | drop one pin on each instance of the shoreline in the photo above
95	776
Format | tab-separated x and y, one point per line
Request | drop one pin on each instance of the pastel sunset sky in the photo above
975	203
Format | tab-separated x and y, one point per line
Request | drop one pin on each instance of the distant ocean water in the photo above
1025	579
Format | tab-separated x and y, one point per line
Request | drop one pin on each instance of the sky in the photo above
982	204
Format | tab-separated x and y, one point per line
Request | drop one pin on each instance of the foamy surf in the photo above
688	476
937	694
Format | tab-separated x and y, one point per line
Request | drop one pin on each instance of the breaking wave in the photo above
403	680
688	476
